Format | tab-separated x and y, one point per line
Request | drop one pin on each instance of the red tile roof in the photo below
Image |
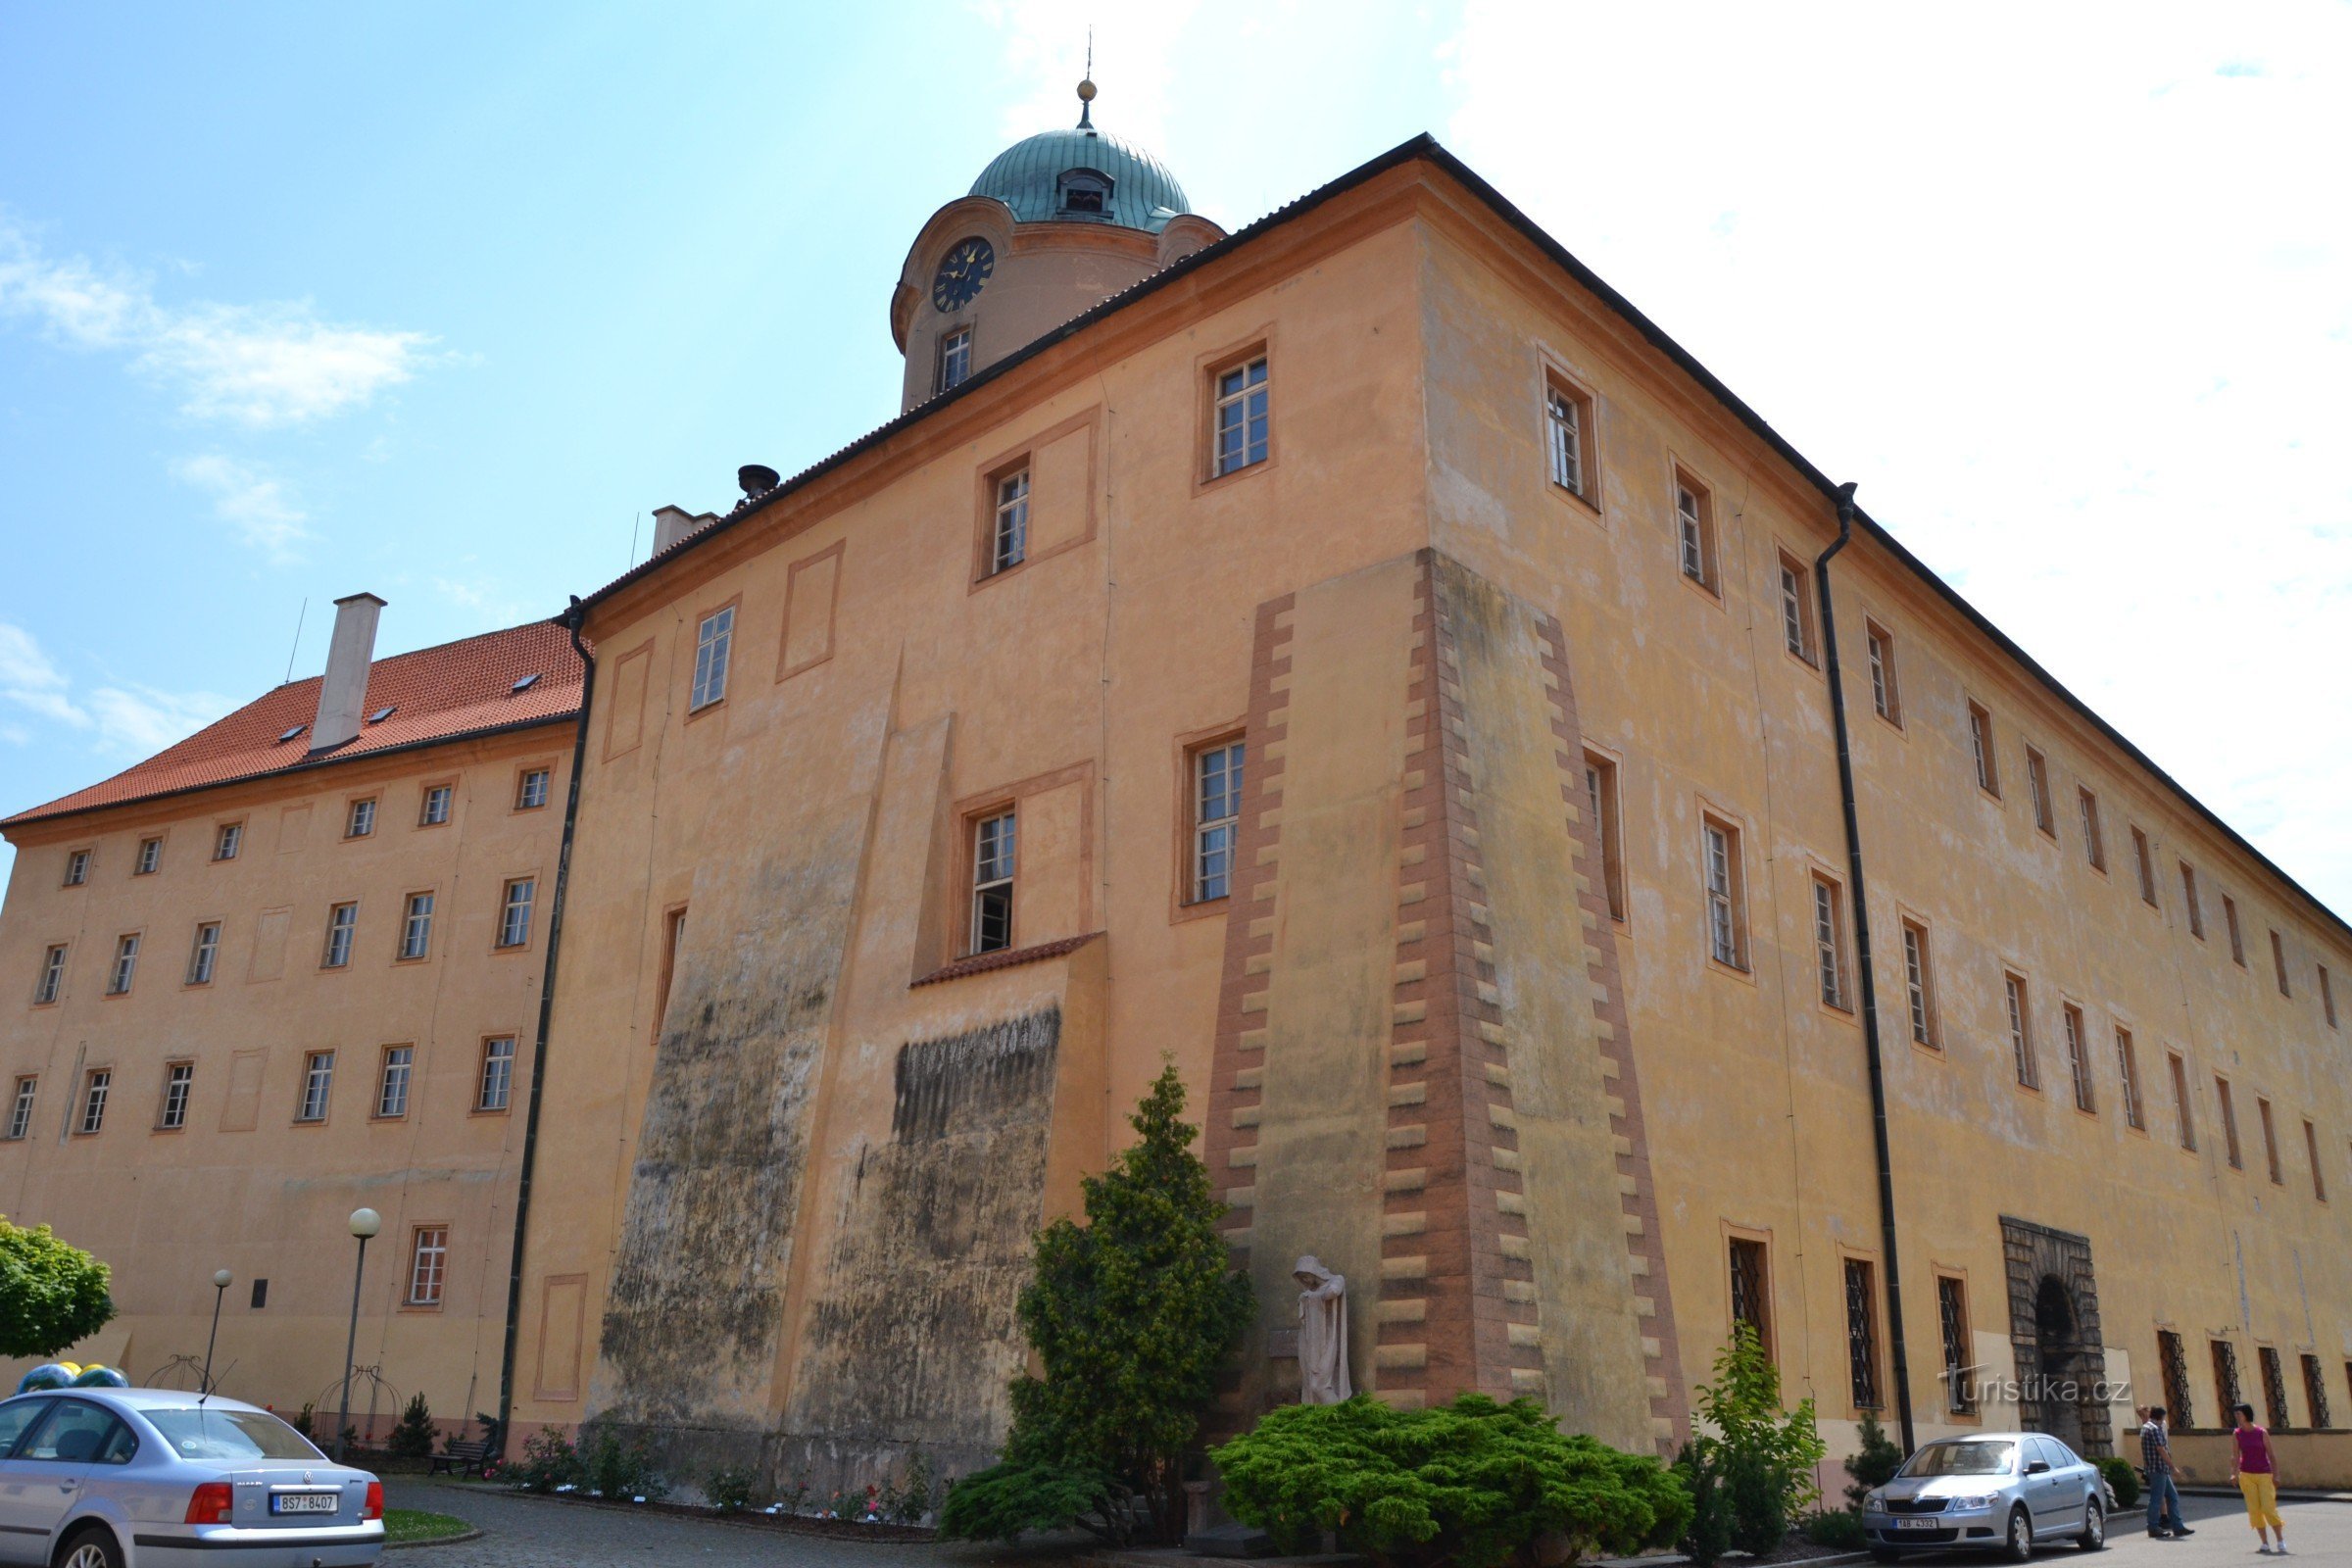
1004	958
435	694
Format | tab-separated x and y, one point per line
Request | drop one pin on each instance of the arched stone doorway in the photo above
2054	1331
2057	1337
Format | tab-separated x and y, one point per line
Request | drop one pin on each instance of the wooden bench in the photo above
461	1458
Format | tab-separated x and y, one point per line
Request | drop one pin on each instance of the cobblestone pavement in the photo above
521	1532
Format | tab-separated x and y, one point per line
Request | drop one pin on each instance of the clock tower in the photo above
1054	225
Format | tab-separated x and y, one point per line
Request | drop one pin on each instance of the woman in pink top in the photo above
2256	1476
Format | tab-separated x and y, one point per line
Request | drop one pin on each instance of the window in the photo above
2237	937
1959	1355
179	1076
1694	523
78	869
416	926
126	964
1600	795
429	1265
261	1295
2144	860
2270	1142
1009	544
93	1101
1084	190
362	820
2225	1378
1751	1284
317	1080
2021	1030
341	920
673	943
1727	919
2310	1152
531	793
1796	609
229	840
2326	997
202	957
1862	1333
435	809
2094	847
2188	1125
2229	1107
1885	694
150	858
53	976
496	1092
20	1110
514	913
2188	897
1216	818
1980	743
1829	940
954	359
392	1081
2077	1057
2278	963
2172	1357
2274	1387
2127	1067
992	883
2315	1392
1239	417
2037	785
1919	985
711	641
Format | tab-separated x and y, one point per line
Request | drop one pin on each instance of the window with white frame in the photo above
93	1099
78	869
2037	785
1797	609
1008	537
205	955
711	640
1601	797
954	359
416	926
19	1109
1216	818
428	1265
1239	417
150	858
530	793
342	919
1919	984
1694	531
1829	940
317	1083
392	1081
178	1078
496	1091
126	964
1727	936
2126	1069
1885	689
2078	1058
992	882
1568	426
229	840
2021	1030
52	975
362	820
514	913
435	809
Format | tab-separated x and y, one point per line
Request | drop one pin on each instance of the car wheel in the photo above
2095	1527
2020	1545
89	1548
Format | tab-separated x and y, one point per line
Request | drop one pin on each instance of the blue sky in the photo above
440	301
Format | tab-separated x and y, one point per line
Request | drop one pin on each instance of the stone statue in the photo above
1322	1334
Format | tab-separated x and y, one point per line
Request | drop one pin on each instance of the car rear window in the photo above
195	1433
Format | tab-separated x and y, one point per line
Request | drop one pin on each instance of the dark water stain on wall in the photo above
910	1336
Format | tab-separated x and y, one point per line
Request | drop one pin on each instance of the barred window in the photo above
1752	1300
2274	1389
1951	1312
2225	1378
2315	1392
2172	1357
1862	1333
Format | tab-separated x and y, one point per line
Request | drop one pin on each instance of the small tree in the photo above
412	1437
52	1292
1755	1473
1130	1315
1872	1465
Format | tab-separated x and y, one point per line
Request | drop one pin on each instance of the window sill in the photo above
1730	970
1003	958
1200	909
1212	481
1568	496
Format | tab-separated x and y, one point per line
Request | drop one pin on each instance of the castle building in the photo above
1600	888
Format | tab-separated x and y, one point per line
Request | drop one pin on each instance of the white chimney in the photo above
673	523
344	692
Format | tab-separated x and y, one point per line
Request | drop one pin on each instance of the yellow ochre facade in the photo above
1366	662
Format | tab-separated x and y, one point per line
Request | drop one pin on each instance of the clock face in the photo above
960	273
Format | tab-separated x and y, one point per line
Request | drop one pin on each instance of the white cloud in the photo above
143	720
30	680
248	497
259	366
1044	45
2054	287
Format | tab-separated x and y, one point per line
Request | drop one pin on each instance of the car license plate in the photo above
1918	1524
305	1502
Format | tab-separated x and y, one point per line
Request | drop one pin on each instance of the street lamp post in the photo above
220	1279
364	1223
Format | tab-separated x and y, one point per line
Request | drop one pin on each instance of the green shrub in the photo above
1002	1501
2124	1478
52	1292
625	1470
549	1462
412	1437
1872	1465
302	1422
1754	1473
728	1488
1472	1483
904	1500
1837	1528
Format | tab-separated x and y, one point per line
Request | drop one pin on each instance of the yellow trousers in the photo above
2262	1501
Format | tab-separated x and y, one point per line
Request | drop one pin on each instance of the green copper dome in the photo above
1061	175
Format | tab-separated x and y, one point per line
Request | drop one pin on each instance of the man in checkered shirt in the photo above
2164	1495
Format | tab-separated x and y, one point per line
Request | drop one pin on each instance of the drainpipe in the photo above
547	1009
1870	990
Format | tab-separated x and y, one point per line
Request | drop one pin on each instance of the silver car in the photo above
151	1478
2009	1490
